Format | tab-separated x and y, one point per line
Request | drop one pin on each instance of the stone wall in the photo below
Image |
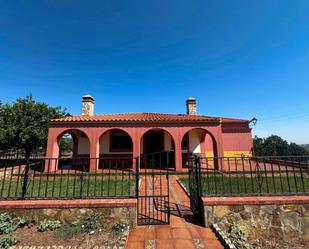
108	216
69	211
280	220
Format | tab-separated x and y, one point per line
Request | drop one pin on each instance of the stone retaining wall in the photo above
259	219
68	211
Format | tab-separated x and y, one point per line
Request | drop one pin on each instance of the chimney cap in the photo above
87	97
191	99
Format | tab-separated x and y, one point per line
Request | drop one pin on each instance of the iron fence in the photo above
67	178
250	176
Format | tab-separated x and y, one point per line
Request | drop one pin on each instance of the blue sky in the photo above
238	58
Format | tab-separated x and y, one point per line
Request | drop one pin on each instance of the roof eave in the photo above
51	122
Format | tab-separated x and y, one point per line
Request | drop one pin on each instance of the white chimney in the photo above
87	105
191	106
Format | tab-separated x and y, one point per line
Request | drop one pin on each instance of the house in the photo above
136	134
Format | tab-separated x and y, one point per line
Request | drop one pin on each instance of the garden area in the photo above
90	232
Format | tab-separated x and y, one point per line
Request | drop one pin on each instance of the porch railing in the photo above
67	178
250	176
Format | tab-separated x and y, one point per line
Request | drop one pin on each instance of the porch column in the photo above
178	154
136	151
220	151
52	152
94	153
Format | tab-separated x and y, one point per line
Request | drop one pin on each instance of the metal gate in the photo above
194	166
153	207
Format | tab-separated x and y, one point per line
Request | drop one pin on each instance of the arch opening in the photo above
74	150
115	150
200	142
157	150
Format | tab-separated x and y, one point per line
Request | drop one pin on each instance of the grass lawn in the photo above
229	185
66	186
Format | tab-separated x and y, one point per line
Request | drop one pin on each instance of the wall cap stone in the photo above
255	200
81	203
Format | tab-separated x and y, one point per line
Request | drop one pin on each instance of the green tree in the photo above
297	150
276	146
66	144
258	148
24	124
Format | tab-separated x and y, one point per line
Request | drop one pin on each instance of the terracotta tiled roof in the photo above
145	118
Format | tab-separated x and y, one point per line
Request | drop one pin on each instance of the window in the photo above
120	141
185	142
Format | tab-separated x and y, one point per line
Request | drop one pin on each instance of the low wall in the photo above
68	211
283	217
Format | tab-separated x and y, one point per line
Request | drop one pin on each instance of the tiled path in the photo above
182	232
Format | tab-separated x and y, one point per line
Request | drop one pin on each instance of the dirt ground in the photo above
31	237
274	243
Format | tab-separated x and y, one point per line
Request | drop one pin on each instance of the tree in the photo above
276	146
258	146
24	124
66	144
297	150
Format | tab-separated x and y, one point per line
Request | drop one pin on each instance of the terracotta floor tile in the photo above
181	233
194	233
206	233
163	233
183	244
164	244
213	244
137	235
150	234
177	222
135	245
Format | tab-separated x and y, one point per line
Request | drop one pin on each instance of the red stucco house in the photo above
135	134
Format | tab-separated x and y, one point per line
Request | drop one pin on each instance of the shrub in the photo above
119	227
238	237
69	230
9	224
6	224
92	224
48	225
7	241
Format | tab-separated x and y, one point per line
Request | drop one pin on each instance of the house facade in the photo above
136	134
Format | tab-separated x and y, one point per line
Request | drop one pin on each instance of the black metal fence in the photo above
244	176
67	178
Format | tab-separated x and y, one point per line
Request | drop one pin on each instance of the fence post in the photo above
137	165
198	174
81	178
25	180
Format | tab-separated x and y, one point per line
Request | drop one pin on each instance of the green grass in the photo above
70	186
232	185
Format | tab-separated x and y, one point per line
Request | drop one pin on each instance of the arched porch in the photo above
157	149
201	142
115	150
136	141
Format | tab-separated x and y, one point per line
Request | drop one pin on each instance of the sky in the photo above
240	59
